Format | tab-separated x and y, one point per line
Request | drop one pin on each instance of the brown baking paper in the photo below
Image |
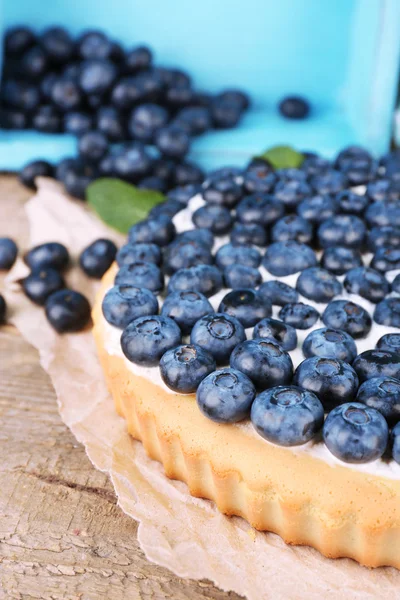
187	535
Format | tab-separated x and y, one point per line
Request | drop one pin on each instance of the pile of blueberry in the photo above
231	346
117	102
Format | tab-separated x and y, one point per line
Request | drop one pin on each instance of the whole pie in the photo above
249	333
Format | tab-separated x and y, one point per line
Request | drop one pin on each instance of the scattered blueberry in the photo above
299	315
8	253
36	168
219	334
285	335
225	396
264	362
124	303
146	120
330	343
172	141
51	254
67	311
294	107
3	309
41	283
186	308
145	339
98	257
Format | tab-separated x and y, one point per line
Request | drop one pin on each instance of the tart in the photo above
304	493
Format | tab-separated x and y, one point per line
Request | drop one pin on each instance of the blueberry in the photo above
386	259
182	254
206	279
342	230
3	309
51	254
132	162
57	44
291	174
347	316
291	193
67	311
331	379
219	334
260	209
292	227
278	292
224	191
160	231
387	312
77	123
184	193
127	92
17	40
317	209
382	394
111	124
230	254
155	183
246	305
97	76
138	59
145	339
94	44
355	433
387	236
264	362
299	315
146	120
46	119
34	63
286	258
294	107
124	303
351	153
197	118
93	146
200	235
11	119
66	94
339	260
382	214
187	173
287	415
225	396
20	95
186	308
36	168
389	341
98	257
8	253
172	141
141	252
174	77
141	274
225	114
260	180
318	284
330	343
183	368
315	165
350	203
249	233
238	97
76	176
241	276
367	283
377	363
330	182
211	216
285	335
41	283
381	190
395	443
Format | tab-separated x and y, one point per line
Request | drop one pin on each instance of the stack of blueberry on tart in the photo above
267	309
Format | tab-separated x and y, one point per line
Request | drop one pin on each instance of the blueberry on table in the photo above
248	233
146	339
8	253
97	76
110	123
47	119
196	118
67	311
186	308
355	433
241	276
285	335
50	254
395	443
238	97
331	379
160	231
287	415
294	107
132	162
389	341
246	306
182	254
299	315
377	363
347	316
141	274
77	123
98	257
317	209
94	44
66	94
41	283
178	97
330	343
367	283
278	292
231	254
342	230
387	312
17	40
261	209
383	394
183	368
338	259
225	396
287	258
20	95
224	113
219	334
140	252
124	303
172	141
11	119
292	227
76	175
137	59
264	361
3	309
318	284
36	168
57	44
206	279
34	63
93	146
211	216
146	120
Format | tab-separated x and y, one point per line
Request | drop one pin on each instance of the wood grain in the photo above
62	535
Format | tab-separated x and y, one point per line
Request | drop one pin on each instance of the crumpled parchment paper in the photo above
187	535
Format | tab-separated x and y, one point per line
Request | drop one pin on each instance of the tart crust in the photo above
339	511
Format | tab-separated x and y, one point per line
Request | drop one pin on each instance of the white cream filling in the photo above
183	222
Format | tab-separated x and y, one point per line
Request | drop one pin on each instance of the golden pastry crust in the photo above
339	511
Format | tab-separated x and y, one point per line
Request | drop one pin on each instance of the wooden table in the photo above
62	535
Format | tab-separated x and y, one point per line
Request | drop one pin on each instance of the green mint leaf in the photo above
282	157
120	205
